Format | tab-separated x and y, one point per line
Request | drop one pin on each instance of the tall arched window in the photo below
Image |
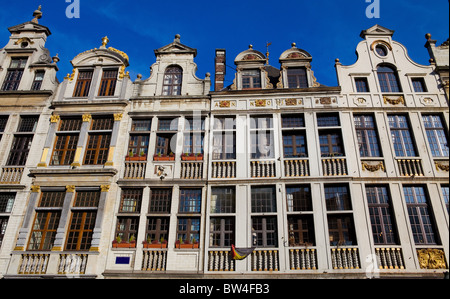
388	79
173	78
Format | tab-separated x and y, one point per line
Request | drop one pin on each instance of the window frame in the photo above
174	74
367	136
437	136
108	83
402	137
388	79
83	84
14	74
253	76
299	75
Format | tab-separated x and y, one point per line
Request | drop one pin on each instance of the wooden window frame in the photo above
388	79
330	145
300	203
301	230
264	235
130	201
14	74
221	233
157	228
251	79
361	84
108	83
188	228
344	230
223	200
173	81
298	150
299	75
83	84
37	82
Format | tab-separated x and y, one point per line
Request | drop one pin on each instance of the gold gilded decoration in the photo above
291	102
35	188
105	41
70	189
122	72
431	258
54	118
70	77
372	168
87	117
224	104
24	39
399	100
388	45
123	54
325	101
118	116
441	166
260	103
105	188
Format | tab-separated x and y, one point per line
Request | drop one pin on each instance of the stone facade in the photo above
161	176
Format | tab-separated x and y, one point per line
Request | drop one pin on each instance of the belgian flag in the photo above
240	253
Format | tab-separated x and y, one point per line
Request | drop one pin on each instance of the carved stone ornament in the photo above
70	189
441	165
291	102
326	101
35	188
399	100
371	167
118	116
105	188
431	258
54	118
87	117
260	103
224	104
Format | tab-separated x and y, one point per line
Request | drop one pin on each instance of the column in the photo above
54	120
114	136
61	230
23	232
97	232
82	139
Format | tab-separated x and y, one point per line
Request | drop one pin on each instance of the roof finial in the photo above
177	38
105	41
37	14
267	52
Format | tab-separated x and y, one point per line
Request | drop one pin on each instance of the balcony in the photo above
345	258
38	264
296	168
134	170
262	169
154	260
72	264
389	258
33	263
220	260
265	260
223	169
334	167
410	167
11	175
303	259
191	170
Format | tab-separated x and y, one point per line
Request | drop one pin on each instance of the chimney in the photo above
220	62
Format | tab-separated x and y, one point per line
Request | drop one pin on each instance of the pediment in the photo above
377	30
29	27
176	48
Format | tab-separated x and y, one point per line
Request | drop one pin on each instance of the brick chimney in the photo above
220	62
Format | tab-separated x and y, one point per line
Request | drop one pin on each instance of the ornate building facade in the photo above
103	177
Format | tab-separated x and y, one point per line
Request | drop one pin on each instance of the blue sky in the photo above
327	29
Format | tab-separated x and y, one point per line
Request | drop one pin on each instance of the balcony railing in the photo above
72	263
223	169
154	260
262	169
345	258
191	170
303	259
34	263
134	170
389	258
334	167
220	260
296	168
11	175
410	167
265	260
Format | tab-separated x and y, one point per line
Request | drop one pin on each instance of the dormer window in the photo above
173	78
38	78
108	84
297	77
14	74
83	83
251	79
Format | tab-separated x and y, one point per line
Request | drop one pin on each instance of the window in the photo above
14	73
19	150
437	139
264	200
66	141
388	79
264	230
381	50
221	232
193	136
262	137
420	215
251	79
292	121
130	201
384	230
223	200
361	85
82	223
367	136
127	228
298	198
3	122
168	124
294	144
190	200
99	140
163	138
141	125
446	193
138	146
157	229
6	206
337	198
341	230
301	230
419	85
331	143
401	136
46	221
108	83
38	78
28	124
328	120
224	138
188	229
83	84
173	78
297	77
160	201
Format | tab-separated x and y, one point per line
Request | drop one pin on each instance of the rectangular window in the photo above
293	121
367	136
331	143
139	125
401	136
19	150
193	136
419	85
384	230
251	79
223	200
446	193
337	198
221	232
190	200
3	122
298	198
138	147
168	124
81	229
6	206
160	201
83	84
224	138
262	144
157	229
264	231
420	215
341	230
130	201
127	228
188	229
65	148
99	140
3	225
297	77
437	138
294	144
328	120
108	83
38	79
28	124
301	230
264	199
361	85
14	73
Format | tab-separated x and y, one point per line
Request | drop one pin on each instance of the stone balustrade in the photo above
296	168
134	170
11	175
154	260
262	169
265	260
191	170
220	260
303	259
334	167
223	169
